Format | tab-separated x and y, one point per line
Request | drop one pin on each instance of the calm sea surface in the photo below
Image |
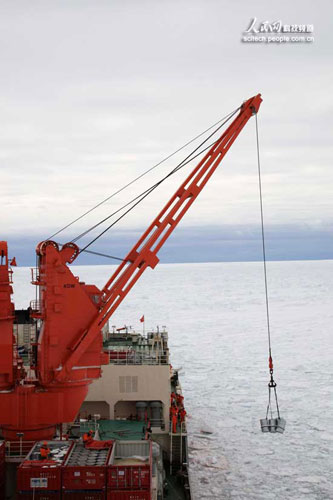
215	315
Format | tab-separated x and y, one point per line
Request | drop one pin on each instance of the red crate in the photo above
83	495
84	477
38	495
30	471
132	476
129	477
128	495
43	475
79	474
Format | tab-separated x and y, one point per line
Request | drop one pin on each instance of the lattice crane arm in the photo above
144	252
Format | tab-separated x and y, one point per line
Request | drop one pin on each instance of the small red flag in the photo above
142	319
13	262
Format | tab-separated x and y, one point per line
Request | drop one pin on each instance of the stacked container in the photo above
84	473
129	473
38	478
2	470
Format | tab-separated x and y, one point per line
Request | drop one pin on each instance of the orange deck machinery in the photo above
71	314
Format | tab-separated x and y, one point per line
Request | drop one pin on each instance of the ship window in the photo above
128	384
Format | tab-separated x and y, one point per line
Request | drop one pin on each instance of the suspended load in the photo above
272	424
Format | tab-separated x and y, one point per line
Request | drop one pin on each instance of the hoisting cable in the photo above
139	199
228	116
269	424
151	188
104	255
143	195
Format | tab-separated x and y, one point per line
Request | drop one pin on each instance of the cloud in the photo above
203	244
94	93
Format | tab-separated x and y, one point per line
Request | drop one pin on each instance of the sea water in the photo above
216	318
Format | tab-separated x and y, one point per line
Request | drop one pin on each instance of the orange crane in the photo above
71	314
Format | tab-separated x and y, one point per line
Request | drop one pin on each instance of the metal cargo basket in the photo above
273	425
277	424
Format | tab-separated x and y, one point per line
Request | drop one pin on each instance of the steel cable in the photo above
145	193
272	383
140	176
263	238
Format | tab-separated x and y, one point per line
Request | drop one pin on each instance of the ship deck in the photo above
128	430
135	348
125	430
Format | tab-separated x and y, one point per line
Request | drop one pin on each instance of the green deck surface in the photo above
127	430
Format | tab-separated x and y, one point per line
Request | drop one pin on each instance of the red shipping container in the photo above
84	478
85	469
43	475
122	473
128	495
129	477
83	495
30	475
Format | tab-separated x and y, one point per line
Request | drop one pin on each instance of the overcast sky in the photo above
92	93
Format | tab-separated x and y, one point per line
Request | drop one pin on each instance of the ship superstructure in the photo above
135	396
140	385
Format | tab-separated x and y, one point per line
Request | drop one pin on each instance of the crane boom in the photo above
144	252
69	314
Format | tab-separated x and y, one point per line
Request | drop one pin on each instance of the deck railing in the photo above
133	357
18	449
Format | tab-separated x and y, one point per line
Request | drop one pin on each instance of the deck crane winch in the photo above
71	314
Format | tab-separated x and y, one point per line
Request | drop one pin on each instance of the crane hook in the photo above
272	424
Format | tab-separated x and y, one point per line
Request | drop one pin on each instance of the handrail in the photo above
18	449
133	357
34	275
